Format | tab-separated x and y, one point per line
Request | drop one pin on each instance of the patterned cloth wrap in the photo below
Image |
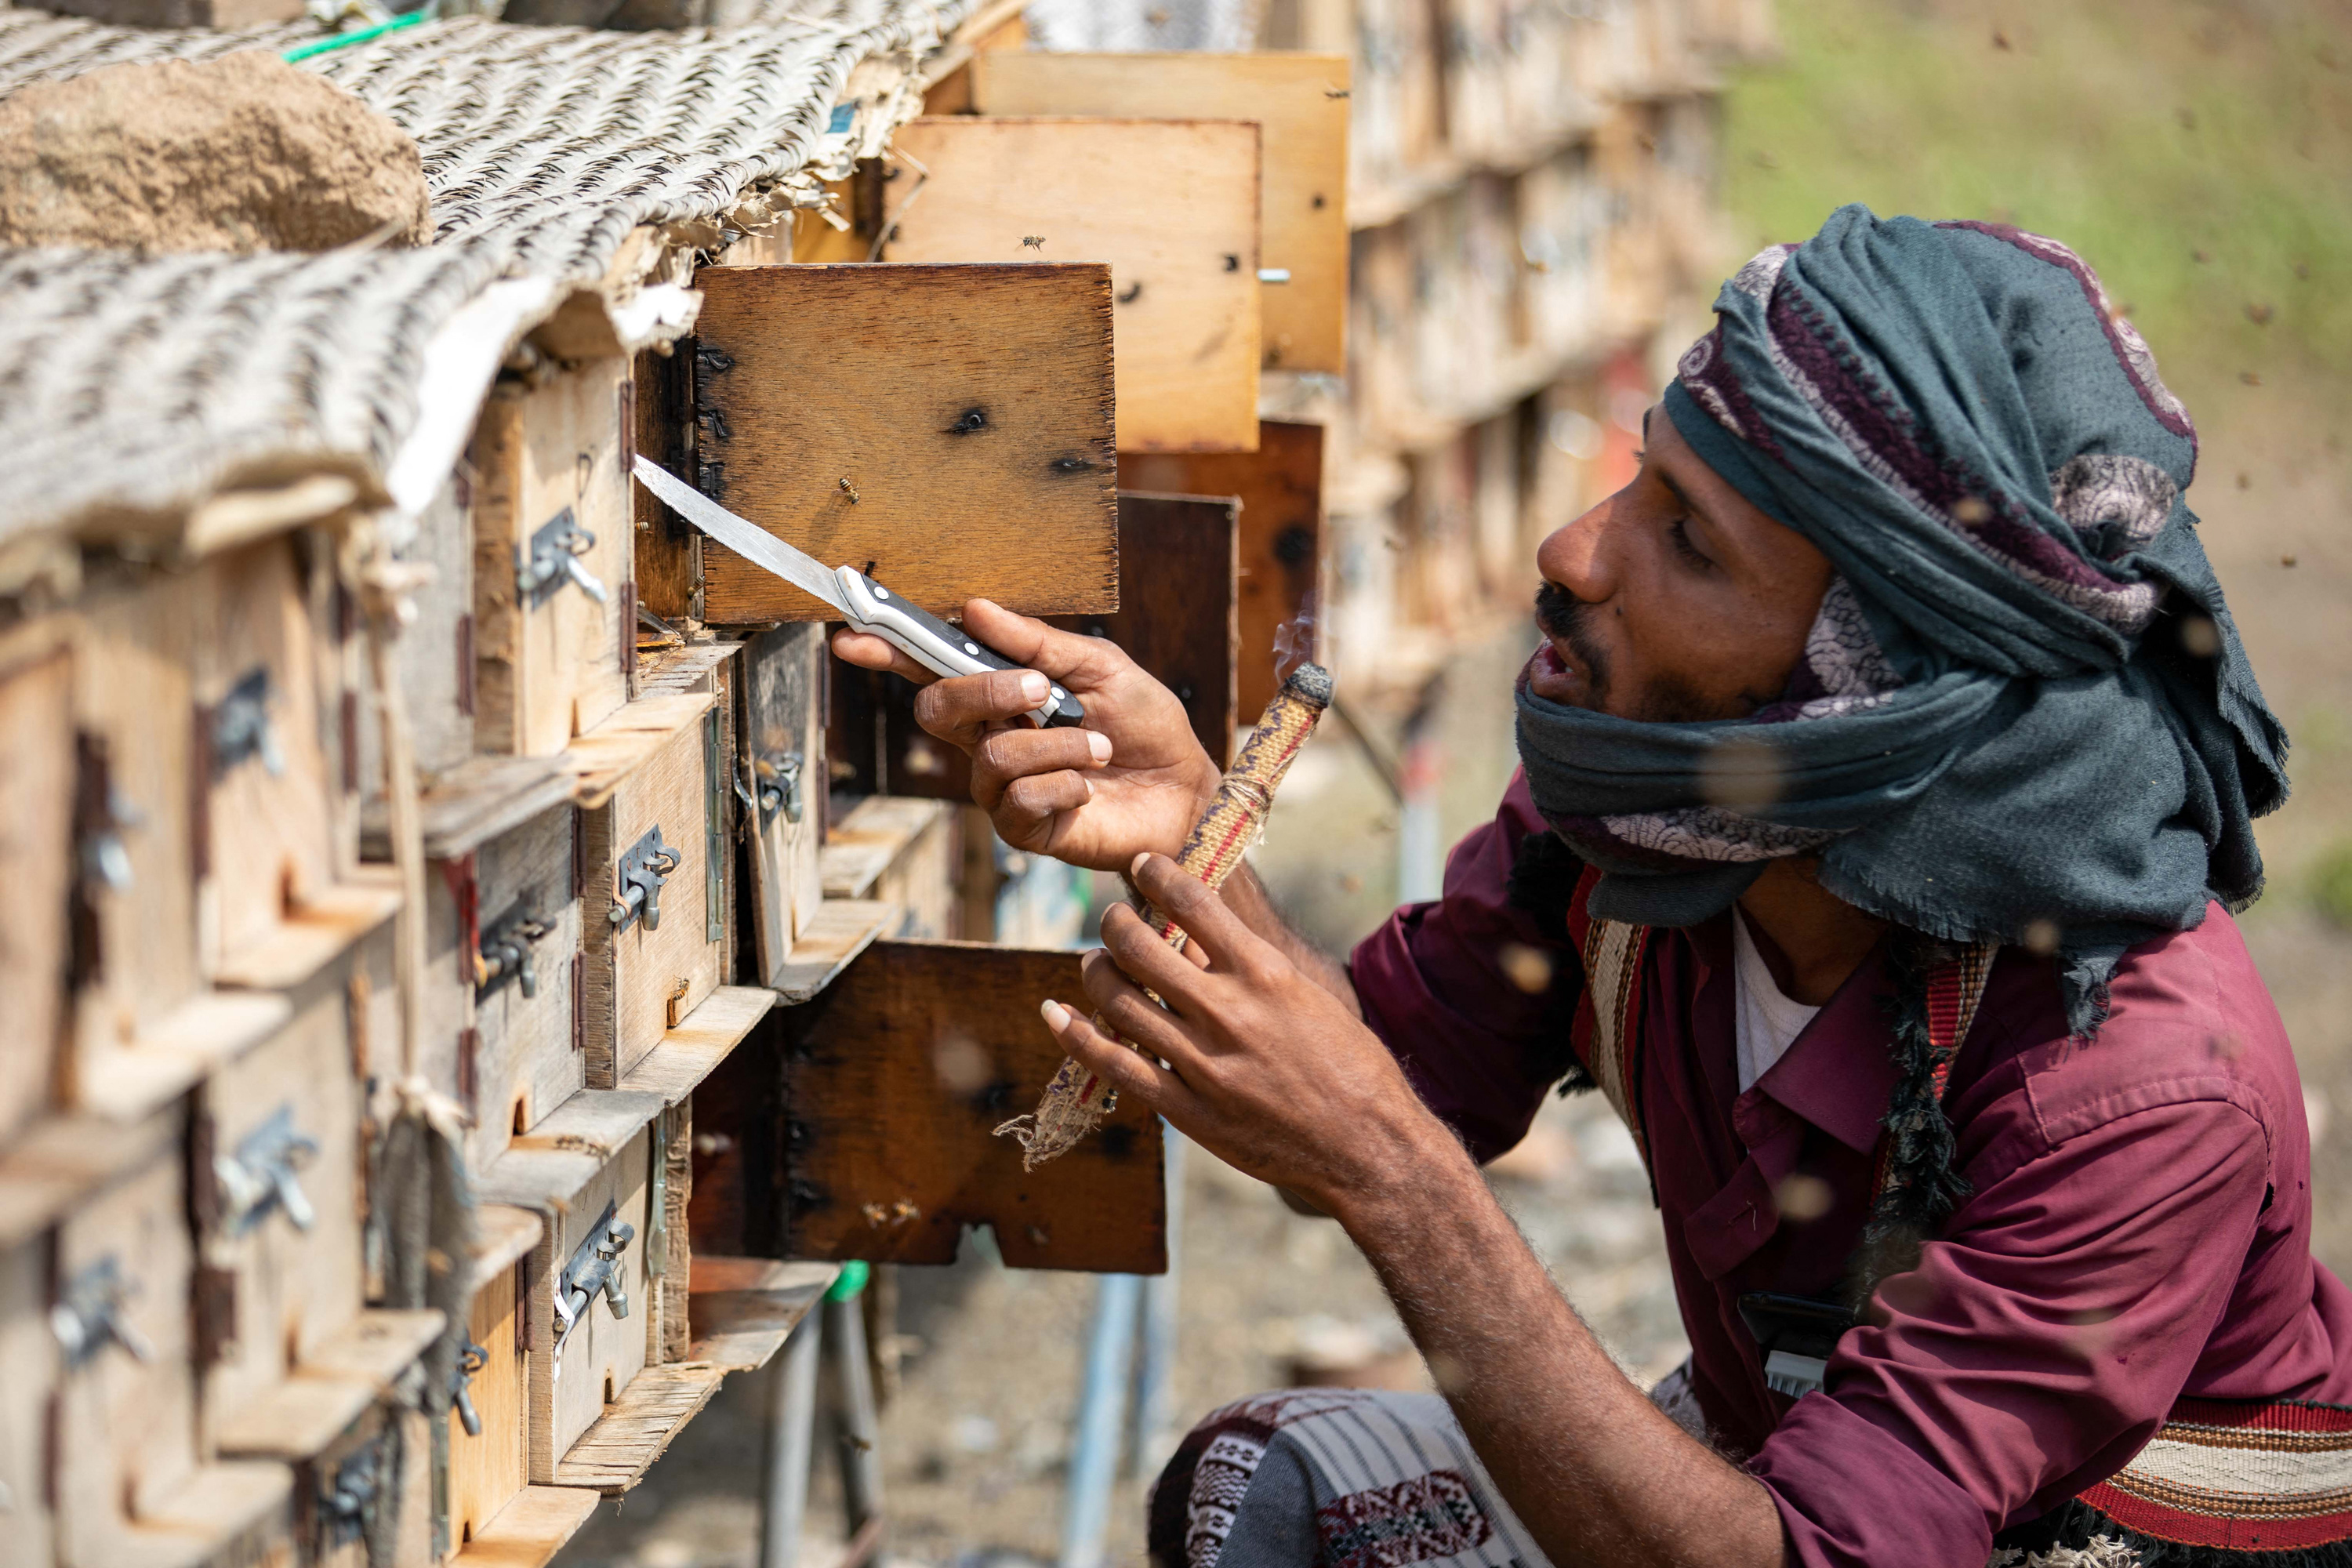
2023	699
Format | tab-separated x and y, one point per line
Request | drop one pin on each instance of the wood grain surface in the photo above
614	1454
1300	103
954	439
527	1062
1280	487
488	1472
36	867
1177	618
782	684
1172	206
862	1124
29	1372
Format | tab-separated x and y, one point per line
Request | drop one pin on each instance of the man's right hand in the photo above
1133	779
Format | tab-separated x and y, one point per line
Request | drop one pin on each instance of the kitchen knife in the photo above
865	604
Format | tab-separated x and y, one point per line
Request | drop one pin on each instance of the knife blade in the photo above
865	604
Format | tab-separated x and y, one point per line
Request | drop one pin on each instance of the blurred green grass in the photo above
2198	153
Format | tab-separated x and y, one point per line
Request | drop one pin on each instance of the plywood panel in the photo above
1178	619
1173	205
269	843
953	437
488	1471
1300	102
288	1287
36	867
549	667
784	751
861	1124
635	978
1280	487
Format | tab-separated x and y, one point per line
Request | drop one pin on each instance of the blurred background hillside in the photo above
2198	154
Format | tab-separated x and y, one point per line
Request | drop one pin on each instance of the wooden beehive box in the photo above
653	921
1170	205
964	449
554	616
1300	102
783	753
585	1171
489	1467
902	850
129	1484
372	1483
515	906
38	867
278	1202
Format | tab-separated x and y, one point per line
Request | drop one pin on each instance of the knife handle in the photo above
936	646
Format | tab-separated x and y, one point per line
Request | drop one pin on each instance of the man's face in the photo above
1674	600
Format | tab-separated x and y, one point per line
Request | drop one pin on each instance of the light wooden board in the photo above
436	649
489	1472
1179	624
36	865
687	1054
124	1080
61	1161
294	1289
602	760
134	695
615	1455
531	1529
475	802
546	672
1172	204
667	1330
126	1428
968	409
862	1125
843	929
269	842
528	1060
30	1371
783	713
331	1388
235	1511
874	835
314	934
634	977
1280	487
745	1308
1300	102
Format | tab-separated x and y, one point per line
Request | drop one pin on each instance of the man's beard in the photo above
1666	699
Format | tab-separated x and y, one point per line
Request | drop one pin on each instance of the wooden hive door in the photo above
783	750
527	1058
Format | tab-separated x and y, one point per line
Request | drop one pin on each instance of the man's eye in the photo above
1680	530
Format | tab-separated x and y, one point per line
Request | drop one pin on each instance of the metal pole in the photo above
1154	1398
1102	1412
791	1425
861	1427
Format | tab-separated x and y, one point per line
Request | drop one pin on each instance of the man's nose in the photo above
1576	557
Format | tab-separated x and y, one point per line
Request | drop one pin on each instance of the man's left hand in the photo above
1266	1069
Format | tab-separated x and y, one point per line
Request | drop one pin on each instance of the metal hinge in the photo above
552	559
504	951
595	1269
644	868
242	727
350	1492
89	1316
262	1175
470	1360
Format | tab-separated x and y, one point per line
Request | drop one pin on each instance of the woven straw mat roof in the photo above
132	388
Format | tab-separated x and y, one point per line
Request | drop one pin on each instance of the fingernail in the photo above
1099	744
1057	1018
1135	867
1090	787
1035	687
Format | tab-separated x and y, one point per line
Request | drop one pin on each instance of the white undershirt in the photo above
1766	1022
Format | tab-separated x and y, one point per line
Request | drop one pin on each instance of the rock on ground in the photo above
245	152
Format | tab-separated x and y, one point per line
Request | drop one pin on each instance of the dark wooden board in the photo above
1178	619
1281	491
861	1125
946	427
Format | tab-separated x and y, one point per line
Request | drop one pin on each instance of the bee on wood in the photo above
850	490
1033	242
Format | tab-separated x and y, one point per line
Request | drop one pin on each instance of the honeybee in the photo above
1033	242
849	490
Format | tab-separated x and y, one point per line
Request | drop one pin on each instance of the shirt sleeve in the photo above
1475	997
2034	1351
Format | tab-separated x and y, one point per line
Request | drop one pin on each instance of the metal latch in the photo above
552	559
262	1174
644	868
89	1316
779	774
505	950
102	815
595	1269
242	727
348	1496
470	1360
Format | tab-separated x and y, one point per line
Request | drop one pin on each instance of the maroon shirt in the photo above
2139	1228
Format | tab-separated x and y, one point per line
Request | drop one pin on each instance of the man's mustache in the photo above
1564	617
